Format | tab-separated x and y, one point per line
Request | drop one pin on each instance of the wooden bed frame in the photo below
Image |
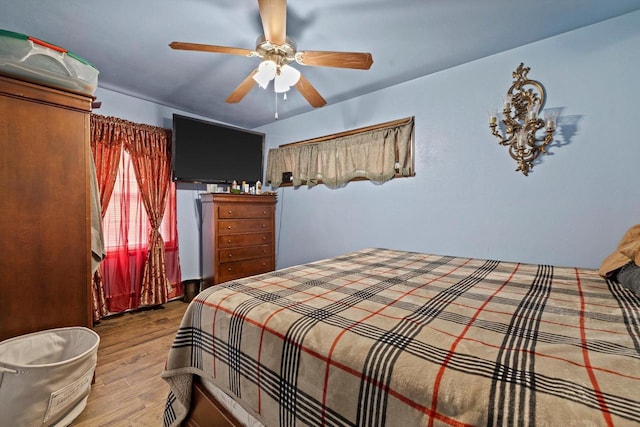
206	411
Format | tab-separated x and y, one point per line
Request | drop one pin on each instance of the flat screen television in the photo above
208	152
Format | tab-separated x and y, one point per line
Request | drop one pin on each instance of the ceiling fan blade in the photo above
242	89
310	93
274	20
357	60
210	48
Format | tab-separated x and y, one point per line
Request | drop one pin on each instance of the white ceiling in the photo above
127	41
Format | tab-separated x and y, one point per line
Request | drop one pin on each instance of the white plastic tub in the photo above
45	377
32	59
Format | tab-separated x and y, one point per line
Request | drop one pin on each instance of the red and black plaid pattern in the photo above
383	337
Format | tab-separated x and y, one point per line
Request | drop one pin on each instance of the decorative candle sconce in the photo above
521	108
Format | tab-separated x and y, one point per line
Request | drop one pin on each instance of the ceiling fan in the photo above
276	52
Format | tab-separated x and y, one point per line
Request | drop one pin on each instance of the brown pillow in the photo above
628	250
631	249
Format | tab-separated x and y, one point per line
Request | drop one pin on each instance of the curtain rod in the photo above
351	132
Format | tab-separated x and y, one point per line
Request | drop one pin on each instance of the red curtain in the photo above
150	152
106	145
142	266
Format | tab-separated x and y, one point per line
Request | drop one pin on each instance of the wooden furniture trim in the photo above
237	198
206	411
44	94
87	161
384	125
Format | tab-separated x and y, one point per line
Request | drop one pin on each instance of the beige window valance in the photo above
377	153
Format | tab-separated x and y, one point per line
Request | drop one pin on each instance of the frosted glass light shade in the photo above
287	77
266	73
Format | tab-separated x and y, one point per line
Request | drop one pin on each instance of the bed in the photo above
387	337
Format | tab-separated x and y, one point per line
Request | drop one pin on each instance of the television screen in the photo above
213	153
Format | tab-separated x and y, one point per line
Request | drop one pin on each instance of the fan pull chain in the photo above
276	94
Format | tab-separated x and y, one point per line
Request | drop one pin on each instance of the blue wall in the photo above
466	198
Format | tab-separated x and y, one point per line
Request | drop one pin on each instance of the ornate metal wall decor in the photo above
520	117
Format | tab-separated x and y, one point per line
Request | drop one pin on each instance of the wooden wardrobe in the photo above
45	267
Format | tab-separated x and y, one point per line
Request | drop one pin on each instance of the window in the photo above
126	231
125	222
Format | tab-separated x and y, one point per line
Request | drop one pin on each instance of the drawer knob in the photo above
264	212
264	225
229	227
230	255
229	241
264	238
229	212
229	269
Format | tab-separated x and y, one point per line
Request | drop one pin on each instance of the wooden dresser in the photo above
44	205
238	236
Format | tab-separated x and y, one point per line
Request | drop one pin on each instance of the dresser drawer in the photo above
238	210
248	252
235	240
238	236
233	226
237	269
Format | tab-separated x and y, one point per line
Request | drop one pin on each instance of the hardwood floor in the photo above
128	390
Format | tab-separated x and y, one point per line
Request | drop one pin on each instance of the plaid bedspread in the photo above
384	337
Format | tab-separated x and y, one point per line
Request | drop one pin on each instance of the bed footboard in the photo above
206	411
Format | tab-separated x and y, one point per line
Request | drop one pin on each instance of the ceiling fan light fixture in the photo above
266	72
276	51
287	77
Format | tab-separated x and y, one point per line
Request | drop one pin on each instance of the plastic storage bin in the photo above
45	377
32	59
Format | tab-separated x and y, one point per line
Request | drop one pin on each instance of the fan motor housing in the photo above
281	54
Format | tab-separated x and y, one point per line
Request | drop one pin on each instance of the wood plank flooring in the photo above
128	390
